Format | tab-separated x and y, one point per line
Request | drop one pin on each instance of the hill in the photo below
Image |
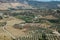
14	4
6	6
26	4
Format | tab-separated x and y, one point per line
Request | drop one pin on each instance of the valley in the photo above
32	24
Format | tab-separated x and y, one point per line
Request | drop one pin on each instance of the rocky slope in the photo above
14	4
5	6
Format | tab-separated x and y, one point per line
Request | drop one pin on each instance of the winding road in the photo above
5	30
10	23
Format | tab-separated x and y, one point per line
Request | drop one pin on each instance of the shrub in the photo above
18	26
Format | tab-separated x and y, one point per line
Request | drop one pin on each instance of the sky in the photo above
46	0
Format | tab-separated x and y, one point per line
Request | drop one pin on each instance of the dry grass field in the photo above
13	31
18	32
10	22
4	35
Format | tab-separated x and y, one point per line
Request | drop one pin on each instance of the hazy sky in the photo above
47	0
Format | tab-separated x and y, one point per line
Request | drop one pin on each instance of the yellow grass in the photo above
4	35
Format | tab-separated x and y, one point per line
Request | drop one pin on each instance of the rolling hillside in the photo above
5	6
26	4
14	4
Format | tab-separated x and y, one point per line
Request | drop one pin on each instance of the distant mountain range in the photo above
26	4
51	4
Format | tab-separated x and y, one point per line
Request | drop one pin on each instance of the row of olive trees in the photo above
39	36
